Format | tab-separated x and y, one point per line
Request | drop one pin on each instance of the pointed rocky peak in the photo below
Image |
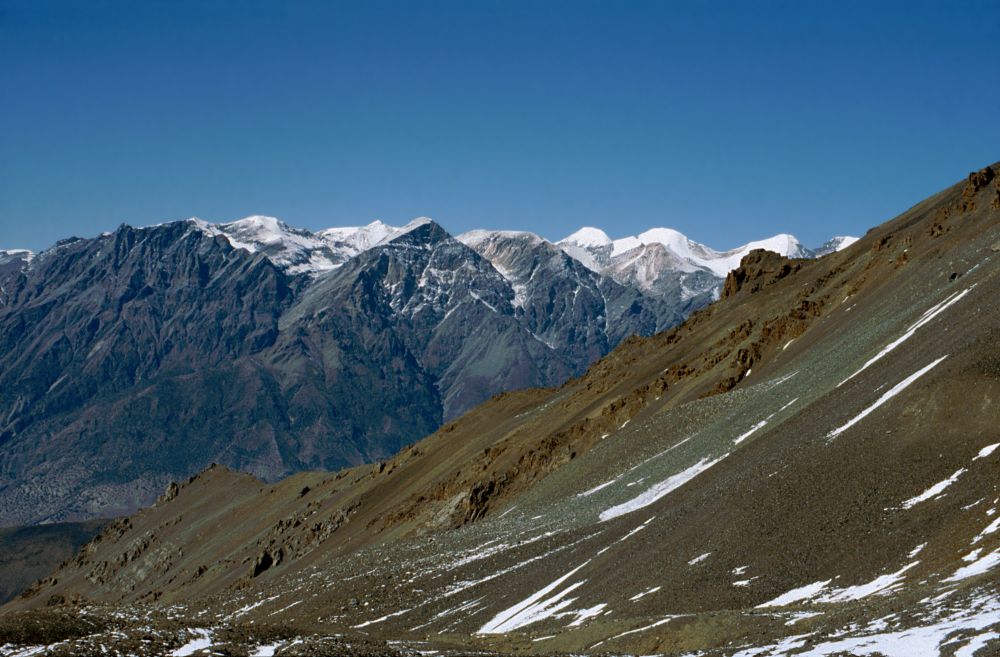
422	231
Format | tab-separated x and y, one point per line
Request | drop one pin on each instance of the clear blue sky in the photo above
725	120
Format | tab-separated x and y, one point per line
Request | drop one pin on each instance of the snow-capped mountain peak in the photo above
643	261
682	255
587	237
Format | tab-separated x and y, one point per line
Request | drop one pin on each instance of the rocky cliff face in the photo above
759	269
577	311
121	360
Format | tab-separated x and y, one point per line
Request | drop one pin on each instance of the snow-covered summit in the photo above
587	236
652	259
14	260
589	246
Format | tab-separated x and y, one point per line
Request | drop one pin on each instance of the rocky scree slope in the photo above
807	467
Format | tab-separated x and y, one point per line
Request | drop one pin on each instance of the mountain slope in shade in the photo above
807	467
29	553
434	303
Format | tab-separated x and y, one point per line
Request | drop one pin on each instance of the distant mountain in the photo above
676	252
142	355
563	302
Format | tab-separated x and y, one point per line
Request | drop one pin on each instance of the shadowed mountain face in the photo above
807	467
30	553
141	356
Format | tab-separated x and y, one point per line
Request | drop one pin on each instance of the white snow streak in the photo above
534	608
640	596
992	527
986	451
796	595
895	390
878	586
977	567
921	641
924	319
202	640
934	490
699	559
660	489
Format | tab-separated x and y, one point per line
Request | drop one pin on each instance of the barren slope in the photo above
808	466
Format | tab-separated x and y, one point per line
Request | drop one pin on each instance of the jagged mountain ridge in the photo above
298	250
637	261
806	467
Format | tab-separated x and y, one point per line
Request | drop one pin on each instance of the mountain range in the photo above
806	467
141	356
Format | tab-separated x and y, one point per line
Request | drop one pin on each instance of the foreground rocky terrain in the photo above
807	467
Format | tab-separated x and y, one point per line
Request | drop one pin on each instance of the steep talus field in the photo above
807	467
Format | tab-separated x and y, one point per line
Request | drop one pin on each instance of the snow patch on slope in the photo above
660	489
895	390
